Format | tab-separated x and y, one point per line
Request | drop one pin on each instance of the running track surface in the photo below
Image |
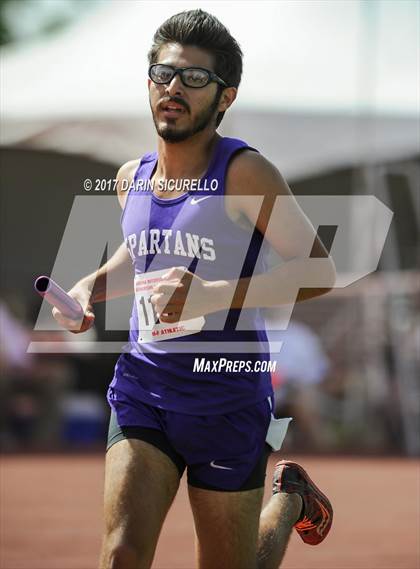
51	515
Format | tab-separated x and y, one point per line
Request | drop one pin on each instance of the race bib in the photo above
150	329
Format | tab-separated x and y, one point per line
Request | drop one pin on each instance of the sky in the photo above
349	56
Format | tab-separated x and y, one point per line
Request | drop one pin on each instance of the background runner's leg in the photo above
276	523
140	485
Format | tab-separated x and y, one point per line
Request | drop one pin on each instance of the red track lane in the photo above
51	515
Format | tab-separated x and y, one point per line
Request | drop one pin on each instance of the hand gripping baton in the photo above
55	295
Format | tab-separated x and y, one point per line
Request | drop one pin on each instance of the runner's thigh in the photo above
226	525
140	485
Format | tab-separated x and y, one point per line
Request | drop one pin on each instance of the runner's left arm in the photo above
286	228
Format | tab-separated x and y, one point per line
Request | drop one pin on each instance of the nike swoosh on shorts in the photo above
212	464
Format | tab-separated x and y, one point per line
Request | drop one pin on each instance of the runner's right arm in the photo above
92	288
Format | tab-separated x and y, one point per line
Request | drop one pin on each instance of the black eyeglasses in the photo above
195	77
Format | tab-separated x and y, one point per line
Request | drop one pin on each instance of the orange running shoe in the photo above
317	513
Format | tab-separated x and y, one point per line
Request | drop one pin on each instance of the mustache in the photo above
177	100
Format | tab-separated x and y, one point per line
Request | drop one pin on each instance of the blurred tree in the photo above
5	36
24	19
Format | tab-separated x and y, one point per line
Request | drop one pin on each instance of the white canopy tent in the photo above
304	100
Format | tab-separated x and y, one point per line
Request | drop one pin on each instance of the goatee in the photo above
170	133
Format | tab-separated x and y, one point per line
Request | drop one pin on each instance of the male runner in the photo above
200	248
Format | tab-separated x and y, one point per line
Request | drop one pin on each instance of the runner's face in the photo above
197	107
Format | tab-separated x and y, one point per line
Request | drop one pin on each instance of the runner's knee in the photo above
124	555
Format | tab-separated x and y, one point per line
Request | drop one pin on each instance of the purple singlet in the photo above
192	229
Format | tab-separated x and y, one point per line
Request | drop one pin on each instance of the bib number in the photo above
146	312
150	329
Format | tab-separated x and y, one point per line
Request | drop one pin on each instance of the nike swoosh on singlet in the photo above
195	201
212	463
